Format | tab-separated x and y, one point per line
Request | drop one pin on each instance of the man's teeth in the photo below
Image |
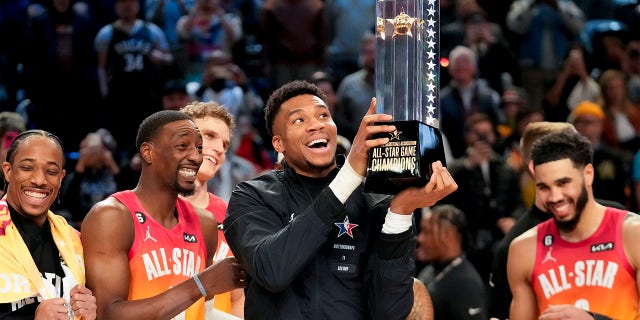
188	172
316	141
32	194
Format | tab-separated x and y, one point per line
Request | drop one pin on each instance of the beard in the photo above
581	202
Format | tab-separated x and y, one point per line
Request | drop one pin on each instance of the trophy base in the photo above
405	161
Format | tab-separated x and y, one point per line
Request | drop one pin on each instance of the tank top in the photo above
218	208
593	274
162	258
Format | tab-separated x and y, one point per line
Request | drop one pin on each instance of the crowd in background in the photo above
504	64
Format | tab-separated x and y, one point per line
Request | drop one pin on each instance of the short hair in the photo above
24	135
321	76
11	121
562	145
199	110
151	124
476	118
460	51
287	91
536	130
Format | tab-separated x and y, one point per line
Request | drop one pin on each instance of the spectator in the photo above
545	30
59	63
166	14
130	54
174	95
442	242
632	70
207	27
93	177
573	86
463	96
489	194
325	82
226	83
622	128
346	22
610	180
11	124
294	39
356	89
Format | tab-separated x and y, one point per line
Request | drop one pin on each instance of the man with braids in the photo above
146	249
587	256
314	243
41	259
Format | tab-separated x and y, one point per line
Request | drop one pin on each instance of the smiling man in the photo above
587	257
314	244
148	252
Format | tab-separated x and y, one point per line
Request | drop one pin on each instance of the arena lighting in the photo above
444	62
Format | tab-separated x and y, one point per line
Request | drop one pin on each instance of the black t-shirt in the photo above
47	258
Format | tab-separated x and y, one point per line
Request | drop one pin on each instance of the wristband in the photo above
199	284
598	316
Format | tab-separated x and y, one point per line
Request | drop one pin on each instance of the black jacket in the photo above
290	234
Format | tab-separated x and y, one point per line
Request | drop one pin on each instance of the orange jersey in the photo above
218	207
162	258
593	274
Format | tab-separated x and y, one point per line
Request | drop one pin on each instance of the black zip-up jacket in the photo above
308	256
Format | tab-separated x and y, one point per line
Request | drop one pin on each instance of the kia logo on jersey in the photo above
602	247
191	238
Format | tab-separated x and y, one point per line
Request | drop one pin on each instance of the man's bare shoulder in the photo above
108	206
109	210
527	238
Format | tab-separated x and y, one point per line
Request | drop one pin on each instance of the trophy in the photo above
406	86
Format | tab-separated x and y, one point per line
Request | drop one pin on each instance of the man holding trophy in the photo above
314	243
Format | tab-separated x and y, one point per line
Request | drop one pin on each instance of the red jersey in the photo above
161	258
218	207
593	274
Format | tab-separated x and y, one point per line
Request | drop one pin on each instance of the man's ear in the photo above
145	152
276	141
530	168
588	172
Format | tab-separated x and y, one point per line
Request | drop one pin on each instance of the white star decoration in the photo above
431	63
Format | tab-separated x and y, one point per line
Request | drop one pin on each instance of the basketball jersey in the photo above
593	274
128	60
162	258
218	208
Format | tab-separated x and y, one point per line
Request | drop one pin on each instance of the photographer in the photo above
93	177
489	193
226	83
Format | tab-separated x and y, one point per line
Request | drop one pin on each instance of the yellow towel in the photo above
19	276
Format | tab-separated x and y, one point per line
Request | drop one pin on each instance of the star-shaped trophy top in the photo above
402	24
